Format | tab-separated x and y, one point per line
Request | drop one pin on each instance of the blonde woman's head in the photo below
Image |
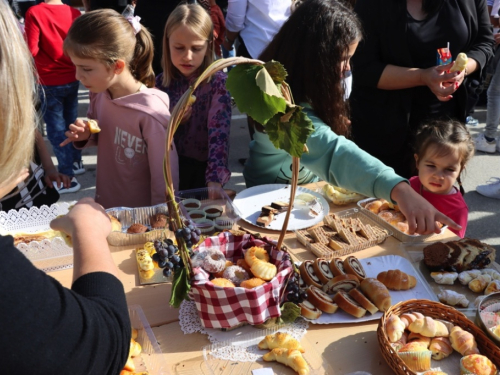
195	27
18	90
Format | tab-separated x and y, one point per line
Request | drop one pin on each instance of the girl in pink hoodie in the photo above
113	58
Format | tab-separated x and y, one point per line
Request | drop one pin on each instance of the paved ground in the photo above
484	215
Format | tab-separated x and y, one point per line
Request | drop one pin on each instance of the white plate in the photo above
249	204
373	266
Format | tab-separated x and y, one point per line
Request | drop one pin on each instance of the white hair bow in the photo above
135	22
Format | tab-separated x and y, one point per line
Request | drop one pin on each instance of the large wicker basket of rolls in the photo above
434	310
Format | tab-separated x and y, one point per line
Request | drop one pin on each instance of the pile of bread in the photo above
343	284
340	234
388	212
134	352
485	281
254	270
286	350
418	338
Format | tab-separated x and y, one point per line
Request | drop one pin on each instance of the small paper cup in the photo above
197	215
191	204
223	223
206	226
417	361
213	211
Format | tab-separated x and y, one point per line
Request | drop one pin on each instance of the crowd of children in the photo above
111	55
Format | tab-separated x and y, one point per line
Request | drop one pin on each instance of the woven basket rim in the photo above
435	310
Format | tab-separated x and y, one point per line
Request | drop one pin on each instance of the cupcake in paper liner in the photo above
434	372
416	356
477	364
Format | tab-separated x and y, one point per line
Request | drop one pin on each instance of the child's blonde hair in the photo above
105	35
448	136
195	17
17	107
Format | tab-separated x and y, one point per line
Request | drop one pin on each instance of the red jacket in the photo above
46	27
219	28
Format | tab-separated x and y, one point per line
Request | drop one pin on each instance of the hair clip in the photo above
135	22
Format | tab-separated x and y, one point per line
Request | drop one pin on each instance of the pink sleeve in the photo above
32	33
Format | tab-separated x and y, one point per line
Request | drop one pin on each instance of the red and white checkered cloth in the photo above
220	307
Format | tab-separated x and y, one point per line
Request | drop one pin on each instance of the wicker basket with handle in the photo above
434	310
178	112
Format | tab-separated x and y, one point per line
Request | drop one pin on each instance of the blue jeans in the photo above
60	109
226	54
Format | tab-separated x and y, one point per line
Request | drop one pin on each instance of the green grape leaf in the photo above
289	312
276	71
250	99
180	288
266	83
289	130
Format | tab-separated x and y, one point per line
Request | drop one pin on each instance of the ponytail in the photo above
141	64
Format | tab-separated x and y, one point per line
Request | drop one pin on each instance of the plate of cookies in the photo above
357	290
266	206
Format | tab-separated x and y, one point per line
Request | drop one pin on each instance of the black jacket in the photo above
380	118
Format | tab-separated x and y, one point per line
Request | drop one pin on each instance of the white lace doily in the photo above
50	254
227	344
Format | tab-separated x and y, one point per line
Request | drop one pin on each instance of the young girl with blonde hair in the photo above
202	140
442	149
113	58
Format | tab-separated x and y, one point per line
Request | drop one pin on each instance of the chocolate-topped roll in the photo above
322	268
337	266
353	266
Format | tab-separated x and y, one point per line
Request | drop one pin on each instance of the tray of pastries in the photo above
342	233
460	273
357	290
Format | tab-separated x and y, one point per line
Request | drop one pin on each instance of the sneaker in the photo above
483	145
75	186
491	189
471	121
78	168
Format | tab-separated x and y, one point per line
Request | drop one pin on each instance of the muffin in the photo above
158	221
434	373
477	364
137	228
416	356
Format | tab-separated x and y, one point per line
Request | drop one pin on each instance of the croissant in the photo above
428	327
460	63
447	278
492	287
280	340
397	280
479	283
401	342
394	328
377	293
452	298
440	348
417	337
495	275
463	341
289	357
408	318
466	276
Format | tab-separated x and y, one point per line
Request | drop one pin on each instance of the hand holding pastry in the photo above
79	131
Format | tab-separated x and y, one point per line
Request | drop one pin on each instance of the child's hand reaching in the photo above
421	215
53	175
79	131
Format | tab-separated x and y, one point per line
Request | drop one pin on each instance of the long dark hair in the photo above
311	45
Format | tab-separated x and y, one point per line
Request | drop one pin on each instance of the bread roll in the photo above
377	293
480	283
428	327
322	269
463	341
360	298
349	305
354	267
394	328
289	357
446	278
397	280
280	340
453	298
417	337
309	311
321	300
492	287
440	348
337	266
343	282
409	318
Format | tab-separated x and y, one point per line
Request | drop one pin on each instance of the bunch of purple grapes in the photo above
190	234
293	292
167	257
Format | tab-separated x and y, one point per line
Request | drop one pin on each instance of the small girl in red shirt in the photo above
442	149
